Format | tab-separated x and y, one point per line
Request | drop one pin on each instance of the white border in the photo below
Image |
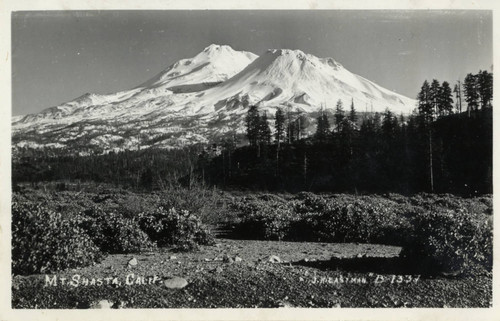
6	313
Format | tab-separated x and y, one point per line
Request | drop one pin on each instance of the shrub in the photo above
113	233
208	204
178	228
264	217
273	224
355	222
47	241
449	240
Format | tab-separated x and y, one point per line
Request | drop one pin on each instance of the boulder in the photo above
175	283
103	304
132	262
274	259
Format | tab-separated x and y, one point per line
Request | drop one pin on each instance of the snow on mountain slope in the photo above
198	99
213	65
292	78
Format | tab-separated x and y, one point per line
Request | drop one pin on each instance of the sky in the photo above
58	56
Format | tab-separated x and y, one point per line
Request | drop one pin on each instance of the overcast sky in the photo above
58	56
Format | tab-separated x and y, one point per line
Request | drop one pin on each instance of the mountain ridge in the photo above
195	100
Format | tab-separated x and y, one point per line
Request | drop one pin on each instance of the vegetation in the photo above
431	150
53	231
44	240
70	222
440	233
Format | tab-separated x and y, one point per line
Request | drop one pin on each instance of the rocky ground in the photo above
242	273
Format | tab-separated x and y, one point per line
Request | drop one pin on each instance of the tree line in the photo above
437	148
440	147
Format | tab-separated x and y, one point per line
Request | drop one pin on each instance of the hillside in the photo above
199	100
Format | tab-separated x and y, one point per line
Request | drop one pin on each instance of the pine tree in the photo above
291	131
300	126
264	130
434	90
339	114
323	127
425	103
389	125
353	117
471	92
485	87
279	124
445	102
252	122
426	112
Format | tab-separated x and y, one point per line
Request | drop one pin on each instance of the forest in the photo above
438	148
432	150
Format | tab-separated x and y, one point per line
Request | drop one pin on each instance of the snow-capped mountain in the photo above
201	98
292	78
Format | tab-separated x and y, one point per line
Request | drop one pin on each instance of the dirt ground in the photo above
244	273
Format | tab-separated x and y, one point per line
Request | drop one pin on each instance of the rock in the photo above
172	257
227	259
274	259
238	259
103	304
132	262
208	260
284	304
175	283
359	256
218	269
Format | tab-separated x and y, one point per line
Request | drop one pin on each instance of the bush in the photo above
356	222
178	228
274	224
45	241
209	205
451	241
113	233
264	217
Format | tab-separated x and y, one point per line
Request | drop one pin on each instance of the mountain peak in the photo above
292	53
202	97
214	64
217	48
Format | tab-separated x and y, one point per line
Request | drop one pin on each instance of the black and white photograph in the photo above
311	159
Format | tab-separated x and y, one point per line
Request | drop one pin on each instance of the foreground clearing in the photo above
359	275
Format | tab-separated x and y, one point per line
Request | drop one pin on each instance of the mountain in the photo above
213	65
292	78
200	99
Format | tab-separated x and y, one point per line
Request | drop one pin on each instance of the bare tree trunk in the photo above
430	159
305	168
459	96
277	158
